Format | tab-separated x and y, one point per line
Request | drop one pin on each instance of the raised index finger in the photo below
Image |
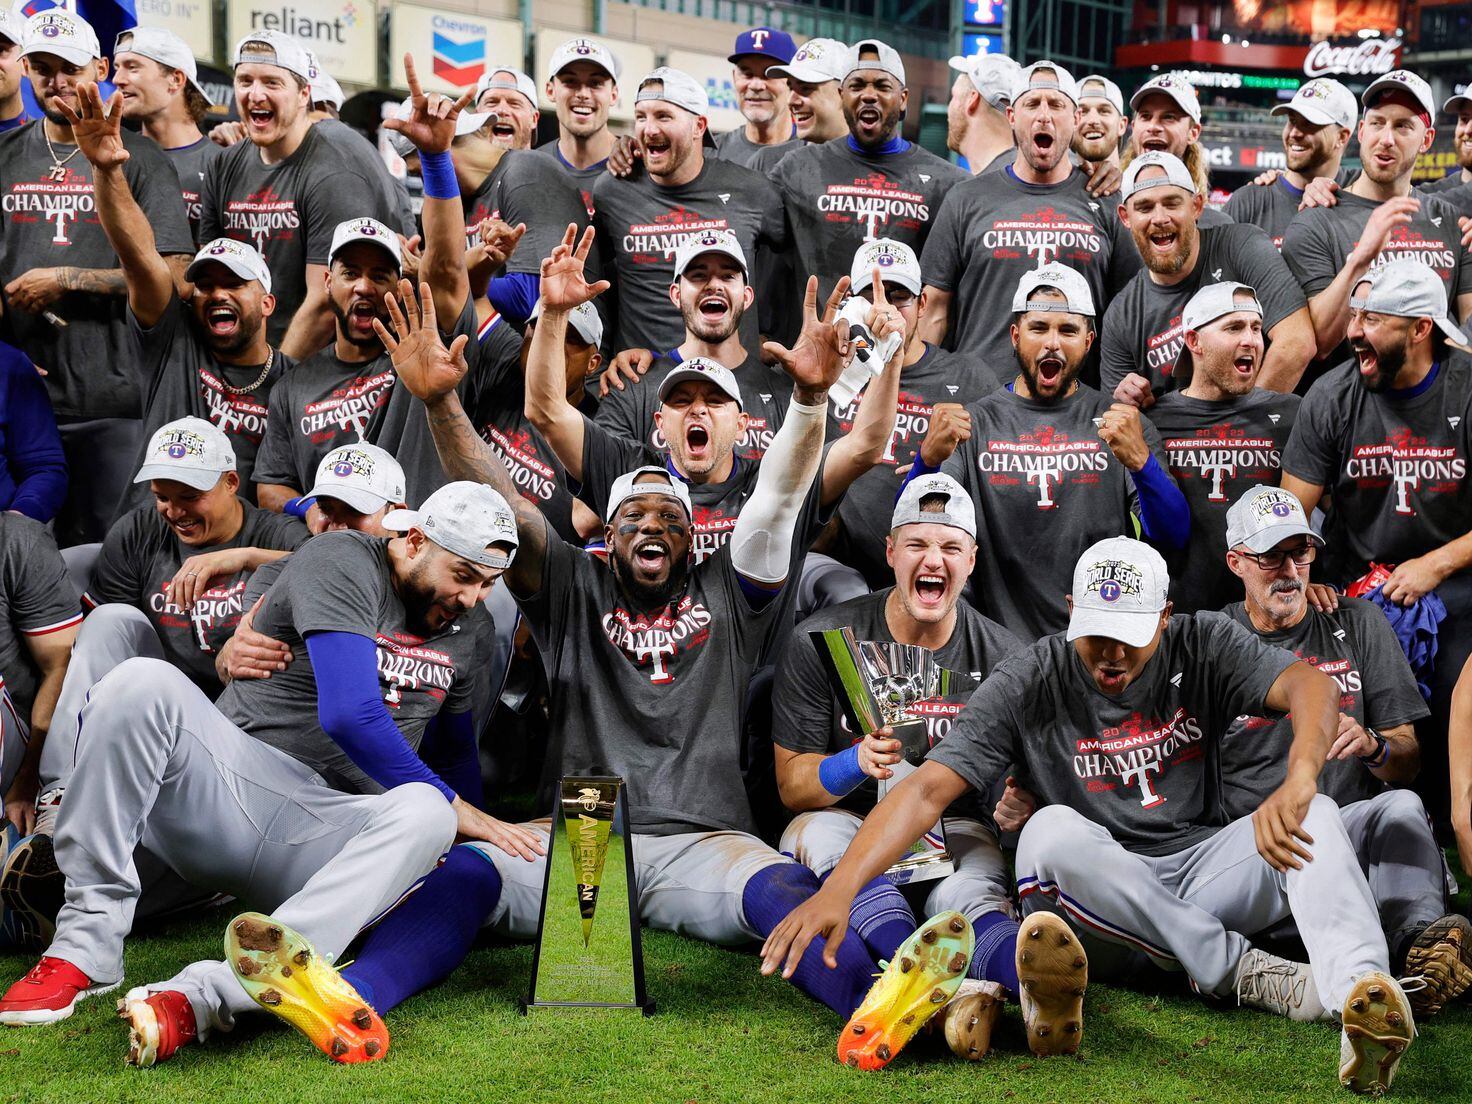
415	92
878	285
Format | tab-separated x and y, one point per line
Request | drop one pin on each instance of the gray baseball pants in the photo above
158	765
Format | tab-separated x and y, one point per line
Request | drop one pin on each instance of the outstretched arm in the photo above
432	372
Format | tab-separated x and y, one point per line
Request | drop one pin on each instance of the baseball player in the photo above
302	792
583	86
1167	119
1271	550
827	773
1101	121
977	127
1112	724
762	94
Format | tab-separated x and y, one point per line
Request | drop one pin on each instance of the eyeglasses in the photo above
1272	561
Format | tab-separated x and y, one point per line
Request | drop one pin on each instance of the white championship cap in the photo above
649	479
1176	174
583	318
816	61
896	262
191	451
164	47
701	368
63	33
958	510
1077	298
676	87
1265	516
368	230
12	26
708	241
886	58
364	476
1036	75
469	520
513	80
1323	101
992	75
1120	587
241	258
1210	303
1408	288
323	85
583	49
1172	85
274	48
1404	81
1096	86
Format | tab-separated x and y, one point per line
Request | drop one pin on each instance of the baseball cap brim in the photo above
808	74
398	261
1454	105
198	478
1265	540
1156	90
401	521
1313	113
680	375
905	280
235	264
1453	334
724	251
734	58
1134	628
70	54
359	498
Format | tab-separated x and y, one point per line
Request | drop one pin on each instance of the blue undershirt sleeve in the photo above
1165	517
514	294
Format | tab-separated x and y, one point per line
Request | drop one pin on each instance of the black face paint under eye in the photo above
628	528
675	528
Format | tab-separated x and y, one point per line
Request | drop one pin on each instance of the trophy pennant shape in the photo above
587	840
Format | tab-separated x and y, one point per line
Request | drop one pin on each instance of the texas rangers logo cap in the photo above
1119	590
191	451
583	49
364	476
702	242
1264	517
241	258
470	520
895	260
62	33
368	230
705	370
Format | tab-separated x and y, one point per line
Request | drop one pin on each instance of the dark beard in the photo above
642	596
342	327
249	328
1030	377
1387	367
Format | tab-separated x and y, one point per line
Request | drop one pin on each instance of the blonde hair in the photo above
1194	160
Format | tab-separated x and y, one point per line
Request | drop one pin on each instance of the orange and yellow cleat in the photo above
925	973
281	972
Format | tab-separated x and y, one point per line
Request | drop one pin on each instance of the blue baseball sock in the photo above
420	942
882	917
995	957
766	900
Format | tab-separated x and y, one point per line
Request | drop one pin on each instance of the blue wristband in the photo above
841	774
438	172
298	507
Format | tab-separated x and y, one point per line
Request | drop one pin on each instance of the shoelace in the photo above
48	805
1256	986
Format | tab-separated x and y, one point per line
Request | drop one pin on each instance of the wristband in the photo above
298	507
1381	753
841	774
438	173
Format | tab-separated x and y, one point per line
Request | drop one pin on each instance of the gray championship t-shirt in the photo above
37	597
1270	208
1045	487
582	180
806	715
1395	467
653	696
1357	648
190	162
140	557
736	147
838	199
1143	764
1142	328
341	582
362	156
765	394
525	188
92	362
994	228
868	507
640	223
1217	451
182	378
289	210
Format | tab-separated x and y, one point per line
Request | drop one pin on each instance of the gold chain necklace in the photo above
248	388
58	164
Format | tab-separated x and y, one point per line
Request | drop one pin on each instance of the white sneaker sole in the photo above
37	1016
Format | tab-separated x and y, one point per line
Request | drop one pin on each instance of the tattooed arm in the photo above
432	372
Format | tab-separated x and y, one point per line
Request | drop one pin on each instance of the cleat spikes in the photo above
339	1048
270	996
957	925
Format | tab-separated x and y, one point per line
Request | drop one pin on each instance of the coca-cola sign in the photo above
1373	57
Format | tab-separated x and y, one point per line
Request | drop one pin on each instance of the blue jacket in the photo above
33	478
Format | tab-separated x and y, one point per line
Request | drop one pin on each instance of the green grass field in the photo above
722	1033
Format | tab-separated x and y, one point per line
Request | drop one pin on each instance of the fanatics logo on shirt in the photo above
880	204
1043	459
653	644
1219	453
58	202
1409	464
405	665
1131	754
261	218
1046	236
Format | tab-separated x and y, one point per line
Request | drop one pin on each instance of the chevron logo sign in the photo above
459	59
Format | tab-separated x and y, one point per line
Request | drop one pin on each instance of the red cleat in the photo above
48	993
158	1024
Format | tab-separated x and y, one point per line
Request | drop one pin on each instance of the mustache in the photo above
1287	586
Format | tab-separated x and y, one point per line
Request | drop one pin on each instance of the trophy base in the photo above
914	738
646	1008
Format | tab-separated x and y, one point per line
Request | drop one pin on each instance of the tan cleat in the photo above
1378	1029
1052	972
970	1016
1440	961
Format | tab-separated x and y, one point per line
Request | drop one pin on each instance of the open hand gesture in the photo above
564	286
431	122
96	126
821	352
428	369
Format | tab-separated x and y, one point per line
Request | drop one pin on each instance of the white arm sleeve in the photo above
761	543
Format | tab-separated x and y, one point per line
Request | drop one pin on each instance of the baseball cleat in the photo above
158	1024
970	1016
32	888
285	976
48	993
925	973
1052	974
1272	984
1378	1029
1441	961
